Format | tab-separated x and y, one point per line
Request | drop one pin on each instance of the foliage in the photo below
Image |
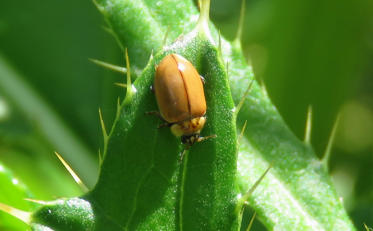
208	172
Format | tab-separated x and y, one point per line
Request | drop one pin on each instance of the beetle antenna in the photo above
154	113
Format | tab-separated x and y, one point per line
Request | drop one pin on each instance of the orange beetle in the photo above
180	97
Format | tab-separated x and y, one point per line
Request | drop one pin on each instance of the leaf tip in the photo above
246	196
98	6
151	55
130	88
326	156
19	214
240	23
219	43
108	30
100	157
109	66
104	133
251	222
242	100
204	17
263	87
74	175
241	133
367	228
39	202
164	42
308	129
122	85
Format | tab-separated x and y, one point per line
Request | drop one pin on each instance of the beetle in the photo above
181	99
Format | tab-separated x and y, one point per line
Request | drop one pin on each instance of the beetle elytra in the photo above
181	99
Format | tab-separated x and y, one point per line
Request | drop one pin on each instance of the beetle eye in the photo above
184	139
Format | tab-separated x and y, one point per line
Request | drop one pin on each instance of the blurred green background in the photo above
310	52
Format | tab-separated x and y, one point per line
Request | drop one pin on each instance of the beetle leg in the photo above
186	148
156	113
200	139
203	79
153	113
162	125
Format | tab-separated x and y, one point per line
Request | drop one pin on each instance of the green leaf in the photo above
267	133
156	190
45	172
12	193
298	191
12	85
142	184
69	214
133	22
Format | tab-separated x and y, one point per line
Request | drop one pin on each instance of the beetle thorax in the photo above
188	127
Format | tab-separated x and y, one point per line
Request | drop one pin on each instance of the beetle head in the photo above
189	140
